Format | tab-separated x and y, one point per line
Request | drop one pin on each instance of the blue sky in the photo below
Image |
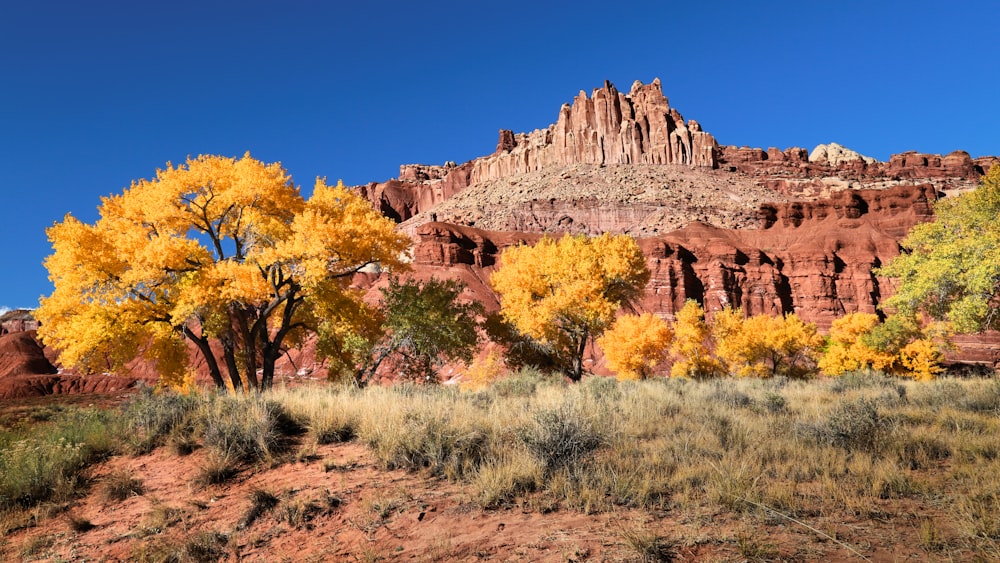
96	94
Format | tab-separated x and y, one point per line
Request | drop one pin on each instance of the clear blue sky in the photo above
96	94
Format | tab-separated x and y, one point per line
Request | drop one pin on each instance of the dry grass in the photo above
845	448
120	485
805	453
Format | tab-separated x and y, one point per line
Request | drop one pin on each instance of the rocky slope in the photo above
639	199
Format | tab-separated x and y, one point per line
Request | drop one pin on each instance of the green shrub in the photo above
524	382
150	416
243	428
46	460
855	426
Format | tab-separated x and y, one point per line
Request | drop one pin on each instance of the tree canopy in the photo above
765	346
635	344
950	267
691	344
564	292
221	251
424	325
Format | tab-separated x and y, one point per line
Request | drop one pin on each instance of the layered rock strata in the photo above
811	258
607	128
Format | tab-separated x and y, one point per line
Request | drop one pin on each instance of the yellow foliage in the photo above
218	249
483	371
901	348
186	385
635	344
847	349
764	346
922	358
690	346
562	292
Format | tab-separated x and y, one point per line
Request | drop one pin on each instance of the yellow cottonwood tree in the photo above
690	347
221	251
949	269
563	292
899	346
765	346
635	344
849	350
921	359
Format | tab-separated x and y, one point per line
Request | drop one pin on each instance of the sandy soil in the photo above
335	504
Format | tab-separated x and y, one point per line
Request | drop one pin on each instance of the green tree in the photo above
950	267
424	326
565	292
223	252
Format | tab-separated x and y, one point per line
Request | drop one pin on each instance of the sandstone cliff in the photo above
607	128
629	163
811	258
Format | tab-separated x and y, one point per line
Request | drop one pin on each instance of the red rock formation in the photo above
418	188
957	164
812	258
22	387
17	320
20	354
608	128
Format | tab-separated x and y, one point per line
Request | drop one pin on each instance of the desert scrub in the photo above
120	485
327	412
245	428
524	382
150	416
858	425
45	461
562	435
437	429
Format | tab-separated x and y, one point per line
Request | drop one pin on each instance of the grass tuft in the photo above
120	485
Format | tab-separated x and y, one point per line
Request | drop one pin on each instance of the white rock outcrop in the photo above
834	154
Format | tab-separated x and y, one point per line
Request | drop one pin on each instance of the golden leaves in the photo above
205	240
764	346
635	344
575	284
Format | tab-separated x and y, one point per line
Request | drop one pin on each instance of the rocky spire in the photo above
609	127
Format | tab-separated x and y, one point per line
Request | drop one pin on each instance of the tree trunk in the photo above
249	345
206	352
229	354
267	375
577	370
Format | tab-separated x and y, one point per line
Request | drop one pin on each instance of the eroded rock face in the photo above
615	132
419	188
21	354
811	258
607	128
834	154
25	386
919	165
